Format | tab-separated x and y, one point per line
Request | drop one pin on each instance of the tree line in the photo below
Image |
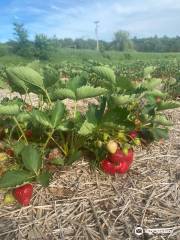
43	47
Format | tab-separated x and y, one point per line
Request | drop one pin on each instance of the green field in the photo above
81	56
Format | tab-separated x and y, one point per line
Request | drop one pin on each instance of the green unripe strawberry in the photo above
9	199
137	141
121	136
6	130
105	136
99	144
125	150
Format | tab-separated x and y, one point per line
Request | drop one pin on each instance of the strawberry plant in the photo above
126	114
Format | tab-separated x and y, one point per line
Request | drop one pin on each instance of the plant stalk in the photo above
49	137
75	109
21	130
47	95
59	146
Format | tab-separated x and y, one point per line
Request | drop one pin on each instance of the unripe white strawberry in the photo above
112	146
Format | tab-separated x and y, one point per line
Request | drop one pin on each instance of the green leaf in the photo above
3	84
23	117
162	120
18	148
101	108
65	126
148	71
73	156
36	65
156	93
31	159
152	83
125	84
30	78
63	93
57	114
86	128
89	92
16	83
105	73
14	178
172	81
75	83
10	109
58	161
118	116
91	114
159	133
44	178
123	99
51	76
168	105
41	118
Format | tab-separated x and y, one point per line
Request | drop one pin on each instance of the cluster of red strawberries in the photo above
117	160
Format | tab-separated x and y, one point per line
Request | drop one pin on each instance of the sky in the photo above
75	18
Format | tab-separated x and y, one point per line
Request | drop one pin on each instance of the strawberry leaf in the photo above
10	109
57	114
18	148
58	161
41	118
105	73
160	133
168	105
31	159
14	178
44	178
86	128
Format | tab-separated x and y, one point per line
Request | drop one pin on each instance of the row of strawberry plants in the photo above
34	137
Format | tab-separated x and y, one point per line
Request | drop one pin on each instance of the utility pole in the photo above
96	32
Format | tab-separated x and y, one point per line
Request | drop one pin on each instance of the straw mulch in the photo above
83	204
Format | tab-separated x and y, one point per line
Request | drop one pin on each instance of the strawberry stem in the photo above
21	130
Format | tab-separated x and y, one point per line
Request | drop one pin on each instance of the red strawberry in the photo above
123	167
28	133
133	134
129	157
117	157
23	194
107	167
10	152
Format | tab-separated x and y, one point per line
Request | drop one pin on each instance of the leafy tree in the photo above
43	47
21	46
122	41
157	44
20	33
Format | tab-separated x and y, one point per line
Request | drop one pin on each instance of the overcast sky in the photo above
75	18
